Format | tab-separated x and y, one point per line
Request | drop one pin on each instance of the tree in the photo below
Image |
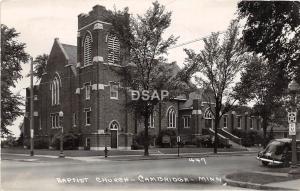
257	85
218	65
13	55
142	38
40	63
273	30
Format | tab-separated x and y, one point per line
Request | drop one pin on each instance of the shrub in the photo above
70	142
135	145
139	140
9	141
41	144
203	141
168	132
249	138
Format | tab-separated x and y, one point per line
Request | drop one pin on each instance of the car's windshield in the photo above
275	146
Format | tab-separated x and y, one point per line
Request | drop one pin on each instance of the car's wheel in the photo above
264	163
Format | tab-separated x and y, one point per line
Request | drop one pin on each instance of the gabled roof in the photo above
192	96
71	52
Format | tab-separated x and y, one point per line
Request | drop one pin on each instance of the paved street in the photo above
68	174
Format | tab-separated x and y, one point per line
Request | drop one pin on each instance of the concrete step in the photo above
235	145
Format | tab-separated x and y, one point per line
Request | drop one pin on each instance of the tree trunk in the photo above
217	120
159	117
146	138
264	126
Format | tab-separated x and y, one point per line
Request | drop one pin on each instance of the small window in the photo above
239	122
114	91
54	120
87	91
251	123
57	125
87	116
74	119
151	121
40	124
186	121
225	121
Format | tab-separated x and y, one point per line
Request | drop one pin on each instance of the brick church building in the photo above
81	93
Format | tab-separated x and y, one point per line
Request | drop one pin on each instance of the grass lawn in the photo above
258	178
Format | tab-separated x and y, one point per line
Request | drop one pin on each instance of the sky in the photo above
40	21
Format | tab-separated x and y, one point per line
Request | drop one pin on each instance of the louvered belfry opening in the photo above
113	46
87	50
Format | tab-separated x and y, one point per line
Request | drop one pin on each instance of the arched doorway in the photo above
114	127
208	119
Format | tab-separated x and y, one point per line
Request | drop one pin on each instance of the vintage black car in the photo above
278	152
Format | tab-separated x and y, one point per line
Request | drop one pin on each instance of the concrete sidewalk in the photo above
112	152
292	184
123	157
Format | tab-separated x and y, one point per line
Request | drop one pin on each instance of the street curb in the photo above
154	156
251	185
172	156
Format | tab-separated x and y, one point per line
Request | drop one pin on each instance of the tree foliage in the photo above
218	65
257	85
13	55
273	29
146	67
39	63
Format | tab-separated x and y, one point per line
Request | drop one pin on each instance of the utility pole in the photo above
98	106
31	109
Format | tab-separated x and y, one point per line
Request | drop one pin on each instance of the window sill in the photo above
171	127
87	125
186	127
114	98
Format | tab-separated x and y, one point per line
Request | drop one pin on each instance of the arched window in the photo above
171	118
208	118
87	50
113	48
52	92
55	91
114	125
208	114
151	121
